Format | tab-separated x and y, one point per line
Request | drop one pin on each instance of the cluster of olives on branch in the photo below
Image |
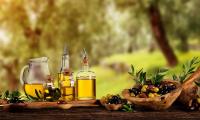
151	91
113	99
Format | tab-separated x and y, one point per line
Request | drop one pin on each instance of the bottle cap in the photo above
84	57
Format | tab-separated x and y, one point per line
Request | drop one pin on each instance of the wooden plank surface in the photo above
99	113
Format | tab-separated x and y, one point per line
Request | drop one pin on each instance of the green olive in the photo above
156	89
144	88
151	95
156	95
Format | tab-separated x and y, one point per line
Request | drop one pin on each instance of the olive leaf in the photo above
188	68
158	76
174	77
132	70
40	92
37	94
12	97
142	77
127	108
139	77
5	95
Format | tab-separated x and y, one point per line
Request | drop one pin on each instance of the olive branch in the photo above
141	76
188	68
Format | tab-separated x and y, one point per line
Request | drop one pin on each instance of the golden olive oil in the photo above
30	89
66	87
68	93
85	81
86	89
64	80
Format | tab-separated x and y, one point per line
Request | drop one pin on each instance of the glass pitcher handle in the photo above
22	74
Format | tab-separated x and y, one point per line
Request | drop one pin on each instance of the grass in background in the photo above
109	82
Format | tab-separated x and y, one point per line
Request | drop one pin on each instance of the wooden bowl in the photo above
190	90
112	107
157	103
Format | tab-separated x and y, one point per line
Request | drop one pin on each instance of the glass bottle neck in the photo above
65	63
85	67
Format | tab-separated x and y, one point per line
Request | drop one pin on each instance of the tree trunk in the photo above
160	34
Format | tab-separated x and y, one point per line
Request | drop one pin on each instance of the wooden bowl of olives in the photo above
112	102
156	97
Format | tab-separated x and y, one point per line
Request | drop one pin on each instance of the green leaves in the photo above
127	108
142	77
174	77
6	95
132	71
139	77
188	69
158	76
13	97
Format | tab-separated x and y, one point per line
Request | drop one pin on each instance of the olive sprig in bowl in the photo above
154	92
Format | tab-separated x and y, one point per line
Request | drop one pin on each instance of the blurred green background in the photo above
116	33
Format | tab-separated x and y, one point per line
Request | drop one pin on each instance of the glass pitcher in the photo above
33	77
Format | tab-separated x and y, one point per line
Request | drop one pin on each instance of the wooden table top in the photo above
99	113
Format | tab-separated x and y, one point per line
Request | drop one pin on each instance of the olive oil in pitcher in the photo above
85	81
31	88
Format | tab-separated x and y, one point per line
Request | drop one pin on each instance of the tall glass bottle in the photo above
66	81
85	81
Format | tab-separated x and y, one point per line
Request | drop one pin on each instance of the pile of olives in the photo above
113	99
150	90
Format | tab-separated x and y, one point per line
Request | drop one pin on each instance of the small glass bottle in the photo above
85	81
49	89
66	78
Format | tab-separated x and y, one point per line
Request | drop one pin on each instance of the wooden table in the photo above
99	113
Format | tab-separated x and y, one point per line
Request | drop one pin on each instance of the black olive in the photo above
136	91
115	100
173	87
